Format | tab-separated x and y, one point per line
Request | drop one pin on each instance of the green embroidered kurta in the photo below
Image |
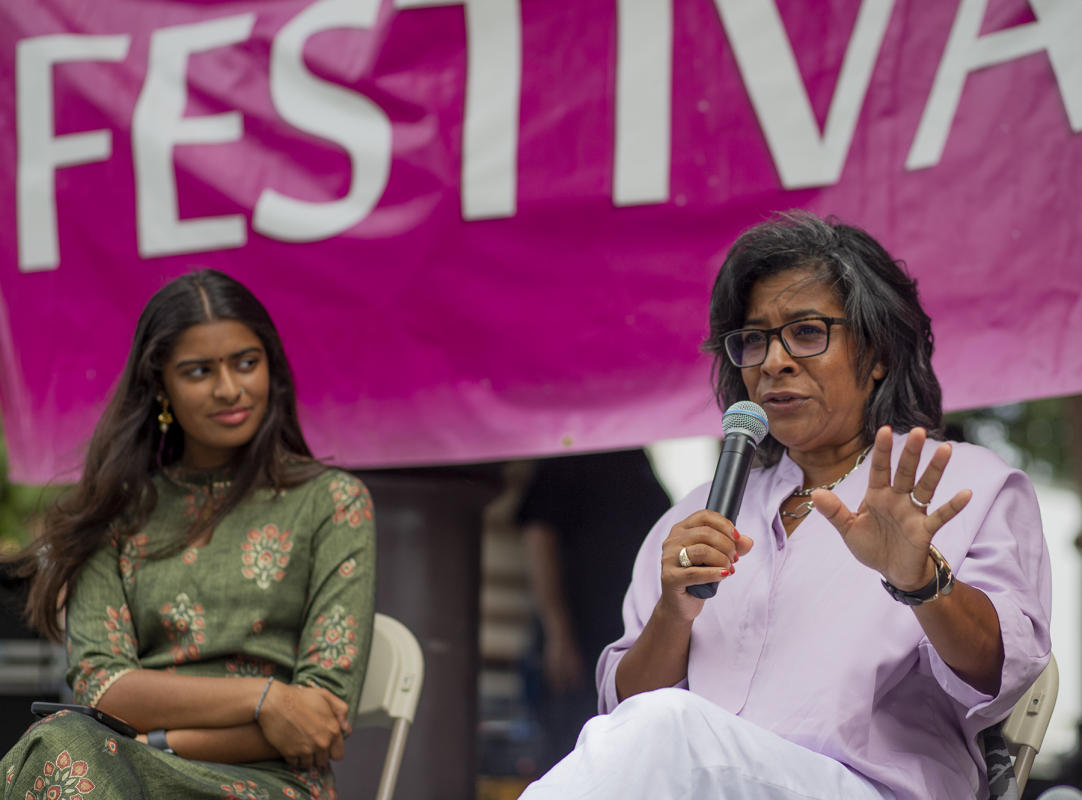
285	587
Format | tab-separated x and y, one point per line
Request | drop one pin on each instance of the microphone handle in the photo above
727	489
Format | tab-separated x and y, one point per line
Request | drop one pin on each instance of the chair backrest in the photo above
392	688
1024	729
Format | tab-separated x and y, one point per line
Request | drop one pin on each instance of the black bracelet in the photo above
157	740
941	584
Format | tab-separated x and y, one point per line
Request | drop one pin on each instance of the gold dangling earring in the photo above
165	419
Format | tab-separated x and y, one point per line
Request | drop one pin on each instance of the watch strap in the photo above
156	739
942	583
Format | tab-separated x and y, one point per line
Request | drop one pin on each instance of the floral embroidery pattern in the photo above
289	791
111	746
118	622
62	779
89	683
347	568
257	627
185	624
244	790
190	555
352	502
201	504
314	781
244	666
132	556
266	555
334	639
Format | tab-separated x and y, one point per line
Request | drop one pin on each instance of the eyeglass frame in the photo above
772	332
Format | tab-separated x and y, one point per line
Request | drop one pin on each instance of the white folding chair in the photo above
1025	727
392	687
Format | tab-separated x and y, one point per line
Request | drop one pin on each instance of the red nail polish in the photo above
736	535
725	573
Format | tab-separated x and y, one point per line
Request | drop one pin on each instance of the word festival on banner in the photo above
803	155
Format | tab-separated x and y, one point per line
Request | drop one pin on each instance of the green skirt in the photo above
70	756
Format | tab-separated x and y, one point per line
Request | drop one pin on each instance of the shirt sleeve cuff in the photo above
1019	671
607	699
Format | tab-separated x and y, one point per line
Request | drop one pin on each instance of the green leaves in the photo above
18	503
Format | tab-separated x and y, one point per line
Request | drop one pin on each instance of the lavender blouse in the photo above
802	639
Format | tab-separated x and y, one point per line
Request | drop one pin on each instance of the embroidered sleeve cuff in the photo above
94	698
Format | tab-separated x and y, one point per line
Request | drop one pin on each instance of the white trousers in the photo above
671	743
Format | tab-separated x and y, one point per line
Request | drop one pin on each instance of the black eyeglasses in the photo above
801	338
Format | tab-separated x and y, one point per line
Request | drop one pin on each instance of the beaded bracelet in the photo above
262	697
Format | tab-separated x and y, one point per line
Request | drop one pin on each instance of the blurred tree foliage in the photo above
1040	437
17	504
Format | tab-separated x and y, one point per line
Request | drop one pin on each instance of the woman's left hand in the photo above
306	724
889	532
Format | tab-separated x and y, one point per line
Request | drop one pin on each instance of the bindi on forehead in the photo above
181	360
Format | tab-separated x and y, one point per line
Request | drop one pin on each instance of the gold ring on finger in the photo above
683	558
913	499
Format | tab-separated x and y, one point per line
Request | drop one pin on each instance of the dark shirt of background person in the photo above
583	518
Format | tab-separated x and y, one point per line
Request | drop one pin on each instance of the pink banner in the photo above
488	228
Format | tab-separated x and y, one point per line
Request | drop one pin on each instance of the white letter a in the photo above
1058	30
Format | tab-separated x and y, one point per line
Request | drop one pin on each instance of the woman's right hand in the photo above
305	724
713	546
659	656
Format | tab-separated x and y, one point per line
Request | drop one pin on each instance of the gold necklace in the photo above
805	508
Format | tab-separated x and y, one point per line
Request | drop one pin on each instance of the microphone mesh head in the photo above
745	417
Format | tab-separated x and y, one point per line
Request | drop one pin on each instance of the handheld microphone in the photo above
744	424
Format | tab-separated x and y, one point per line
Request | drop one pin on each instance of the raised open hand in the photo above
893	527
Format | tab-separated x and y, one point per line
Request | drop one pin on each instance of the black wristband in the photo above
942	583
157	740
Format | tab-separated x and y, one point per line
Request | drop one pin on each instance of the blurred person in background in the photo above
582	518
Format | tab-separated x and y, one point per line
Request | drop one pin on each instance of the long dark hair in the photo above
115	494
886	319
